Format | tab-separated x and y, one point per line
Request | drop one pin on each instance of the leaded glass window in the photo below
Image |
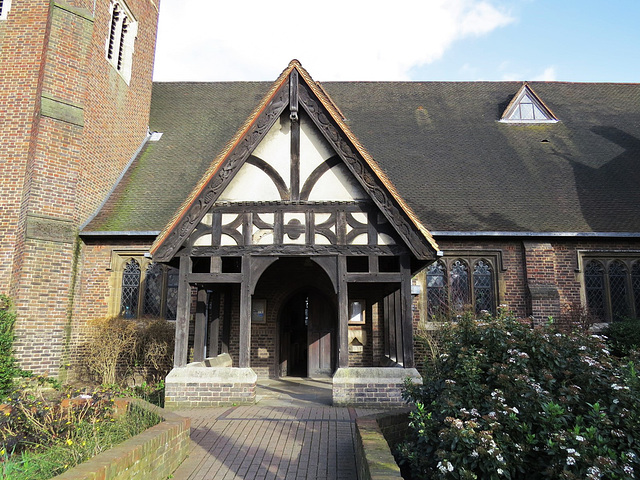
152	305
437	298
149	289
635	285
130	289
482	287
618	290
594	285
453	287
612	287
459	281
172	294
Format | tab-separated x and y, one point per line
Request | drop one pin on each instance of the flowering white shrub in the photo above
506	401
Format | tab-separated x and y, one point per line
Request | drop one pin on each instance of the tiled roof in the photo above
440	144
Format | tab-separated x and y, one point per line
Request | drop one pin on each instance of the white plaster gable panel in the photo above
250	184
314	148
275	148
337	184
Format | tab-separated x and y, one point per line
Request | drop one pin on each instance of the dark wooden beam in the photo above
244	355
214	323
291	249
397	300
215	278
200	332
295	136
258	267
407	312
330	267
343	314
374	277
226	319
182	314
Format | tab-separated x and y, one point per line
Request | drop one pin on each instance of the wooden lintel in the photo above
214	278
374	277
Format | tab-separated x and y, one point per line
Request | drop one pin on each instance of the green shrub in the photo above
507	401
623	336
8	367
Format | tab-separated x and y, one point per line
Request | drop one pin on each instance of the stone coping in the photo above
376	375
222	360
154	453
374	435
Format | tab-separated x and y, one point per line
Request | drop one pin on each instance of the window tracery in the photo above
143	288
612	287
455	284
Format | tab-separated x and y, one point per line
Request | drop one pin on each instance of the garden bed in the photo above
154	453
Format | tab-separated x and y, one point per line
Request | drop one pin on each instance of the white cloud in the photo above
201	40
549	75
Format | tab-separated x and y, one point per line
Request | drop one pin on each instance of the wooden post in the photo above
200	333
343	314
407	313
245	314
226	319
214	323
182	314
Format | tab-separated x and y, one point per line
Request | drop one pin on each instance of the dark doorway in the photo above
307	335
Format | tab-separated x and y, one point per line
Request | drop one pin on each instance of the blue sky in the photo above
564	40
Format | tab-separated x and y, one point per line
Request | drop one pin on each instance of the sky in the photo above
415	40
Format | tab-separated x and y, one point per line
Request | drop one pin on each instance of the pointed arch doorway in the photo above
307	334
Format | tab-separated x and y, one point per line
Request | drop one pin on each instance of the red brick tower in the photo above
75	87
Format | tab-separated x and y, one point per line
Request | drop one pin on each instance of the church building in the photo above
296	228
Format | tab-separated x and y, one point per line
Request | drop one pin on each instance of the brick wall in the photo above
70	125
539	276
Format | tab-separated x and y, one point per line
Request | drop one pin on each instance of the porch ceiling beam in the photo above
374	277
292	250
214	278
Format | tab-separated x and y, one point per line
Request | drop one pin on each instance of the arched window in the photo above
483	287
437	298
453	287
594	286
152	304
130	289
619	290
459	283
148	289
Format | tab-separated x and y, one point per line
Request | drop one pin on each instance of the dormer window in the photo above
122	33
526	107
5	6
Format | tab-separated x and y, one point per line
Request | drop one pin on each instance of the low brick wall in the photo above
153	454
375	436
376	387
195	386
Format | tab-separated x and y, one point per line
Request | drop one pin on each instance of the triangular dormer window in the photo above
526	107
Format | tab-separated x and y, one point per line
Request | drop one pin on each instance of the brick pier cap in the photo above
372	385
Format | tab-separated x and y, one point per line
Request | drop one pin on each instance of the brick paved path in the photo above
284	436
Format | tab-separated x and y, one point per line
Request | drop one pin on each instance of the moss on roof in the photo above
440	143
